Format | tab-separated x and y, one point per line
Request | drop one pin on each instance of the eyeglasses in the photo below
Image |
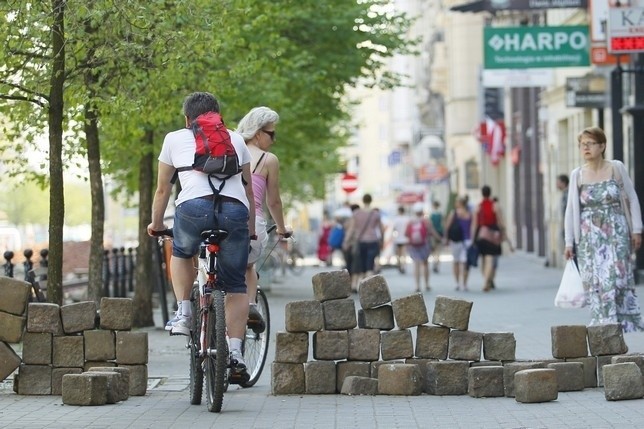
588	145
271	134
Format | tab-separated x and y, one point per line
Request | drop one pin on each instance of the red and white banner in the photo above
492	136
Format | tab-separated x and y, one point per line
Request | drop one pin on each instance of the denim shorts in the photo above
194	216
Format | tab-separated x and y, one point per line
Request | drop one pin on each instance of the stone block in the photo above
400	379
410	311
447	378
15	295
339	314
100	345
569	341
331	285
78	317
432	342
330	345
9	361
606	340
499	346
623	381
12	327
320	377
570	375
485	381
304	316
355	385
590	369
511	368
377	364
535	385
381	318
138	378
120	386
291	347
421	363
44	317
452	313
93	364
34	380
364	344
287	378
68	352
602	361
637	359
131	348
116	313
37	348
348	368
373	292
57	378
396	344
84	389
112	385
465	345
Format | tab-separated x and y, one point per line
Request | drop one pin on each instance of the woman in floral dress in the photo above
603	218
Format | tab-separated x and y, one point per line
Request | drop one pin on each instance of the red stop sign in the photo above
349	183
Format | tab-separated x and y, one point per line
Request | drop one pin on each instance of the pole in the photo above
616	100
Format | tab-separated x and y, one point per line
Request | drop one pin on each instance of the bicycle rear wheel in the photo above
196	361
255	346
217	358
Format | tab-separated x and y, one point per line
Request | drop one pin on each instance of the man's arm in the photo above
161	196
248	186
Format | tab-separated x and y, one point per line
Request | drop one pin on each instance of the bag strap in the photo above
364	228
259	161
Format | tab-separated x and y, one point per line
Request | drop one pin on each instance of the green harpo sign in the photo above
536	47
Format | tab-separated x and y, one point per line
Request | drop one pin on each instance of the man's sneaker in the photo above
182	326
171	322
237	360
255	320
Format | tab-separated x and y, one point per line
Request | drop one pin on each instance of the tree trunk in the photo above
95	289
56	190
145	272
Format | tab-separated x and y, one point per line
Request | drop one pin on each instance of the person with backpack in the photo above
487	228
459	223
418	232
336	236
257	128
209	199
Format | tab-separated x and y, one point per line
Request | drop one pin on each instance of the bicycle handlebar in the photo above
287	234
167	231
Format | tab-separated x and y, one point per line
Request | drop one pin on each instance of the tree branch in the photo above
20	98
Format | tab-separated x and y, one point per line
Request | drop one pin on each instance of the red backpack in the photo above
215	154
487	216
416	232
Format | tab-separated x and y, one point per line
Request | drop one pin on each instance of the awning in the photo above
507	5
476	6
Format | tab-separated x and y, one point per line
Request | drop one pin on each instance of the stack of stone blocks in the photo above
374	353
68	350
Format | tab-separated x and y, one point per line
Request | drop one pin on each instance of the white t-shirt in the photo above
179	151
399	226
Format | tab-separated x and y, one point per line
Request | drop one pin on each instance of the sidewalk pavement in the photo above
522	303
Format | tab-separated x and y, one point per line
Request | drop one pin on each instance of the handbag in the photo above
488	234
571	293
472	256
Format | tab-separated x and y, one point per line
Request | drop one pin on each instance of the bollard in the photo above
8	266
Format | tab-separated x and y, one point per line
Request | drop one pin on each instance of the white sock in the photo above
235	344
186	308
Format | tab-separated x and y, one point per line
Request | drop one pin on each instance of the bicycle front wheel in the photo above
296	262
217	357
256	343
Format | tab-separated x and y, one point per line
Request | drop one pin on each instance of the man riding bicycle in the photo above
195	212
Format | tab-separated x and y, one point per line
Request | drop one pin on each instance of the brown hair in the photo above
596	134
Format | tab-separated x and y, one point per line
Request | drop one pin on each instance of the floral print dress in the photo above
604	255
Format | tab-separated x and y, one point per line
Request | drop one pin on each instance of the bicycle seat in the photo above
214	236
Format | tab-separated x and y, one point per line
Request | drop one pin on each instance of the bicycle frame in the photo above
206	277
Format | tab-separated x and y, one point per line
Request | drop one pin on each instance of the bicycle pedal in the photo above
238	377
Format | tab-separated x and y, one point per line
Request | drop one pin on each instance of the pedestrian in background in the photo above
363	238
399	224
603	218
420	232
489	233
436	218
459	225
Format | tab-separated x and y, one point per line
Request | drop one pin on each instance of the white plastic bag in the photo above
571	293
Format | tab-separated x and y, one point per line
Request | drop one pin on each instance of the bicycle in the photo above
207	342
